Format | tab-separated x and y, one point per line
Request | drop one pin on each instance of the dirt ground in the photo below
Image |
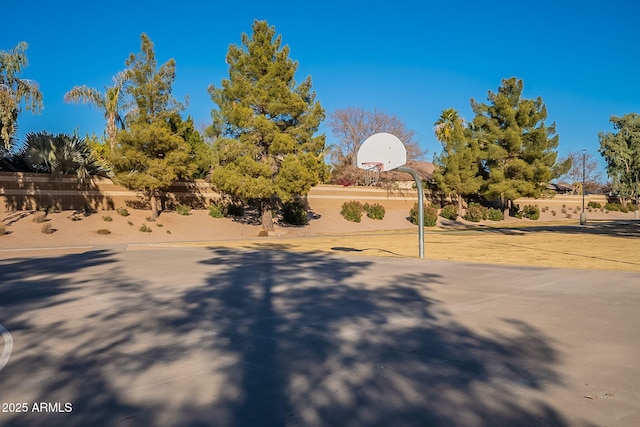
608	241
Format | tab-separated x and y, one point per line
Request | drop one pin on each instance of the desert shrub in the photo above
107	218
263	233
475	213
295	213
145	228
495	214
122	212
449	212
624	209
352	211
47	229
595	205
374	211
554	213
159	225
130	222
150	219
39	217
612	206
216	211
3	230
532	212
235	209
430	215
563	210
103	231
183	210
168	231
568	215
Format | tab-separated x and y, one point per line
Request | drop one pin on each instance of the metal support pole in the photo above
416	178
583	215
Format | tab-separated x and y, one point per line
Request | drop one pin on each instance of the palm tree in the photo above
60	154
111	102
15	91
448	123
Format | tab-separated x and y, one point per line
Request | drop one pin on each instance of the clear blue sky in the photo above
408	58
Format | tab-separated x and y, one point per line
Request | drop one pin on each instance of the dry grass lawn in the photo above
606	243
600	246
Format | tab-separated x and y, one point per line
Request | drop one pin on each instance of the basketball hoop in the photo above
372	172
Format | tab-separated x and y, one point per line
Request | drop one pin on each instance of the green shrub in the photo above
495	214
47	229
352	211
183	210
216	211
430	215
235	209
122	212
594	205
532	212
39	217
449	212
475	213
612	206
375	211
107	218
103	231
624	209
159	225
295	213
145	228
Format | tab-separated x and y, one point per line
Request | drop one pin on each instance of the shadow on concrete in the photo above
263	338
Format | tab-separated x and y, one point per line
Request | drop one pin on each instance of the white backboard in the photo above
382	148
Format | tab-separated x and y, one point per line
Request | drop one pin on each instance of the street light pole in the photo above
635	212
583	215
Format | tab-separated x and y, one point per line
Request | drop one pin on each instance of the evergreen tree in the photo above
518	148
265	125
149	156
15	92
621	151
457	171
201	151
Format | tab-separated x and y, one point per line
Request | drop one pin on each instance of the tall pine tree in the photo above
265	125
518	148
457	172
149	154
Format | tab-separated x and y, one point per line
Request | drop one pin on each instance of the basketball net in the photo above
372	172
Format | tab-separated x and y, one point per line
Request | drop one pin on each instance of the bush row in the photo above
353	210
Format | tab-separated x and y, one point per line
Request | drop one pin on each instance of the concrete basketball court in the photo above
128	336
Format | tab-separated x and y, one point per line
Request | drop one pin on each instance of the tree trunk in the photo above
267	217
459	205
154	204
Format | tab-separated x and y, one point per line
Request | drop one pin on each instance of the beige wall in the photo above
28	191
